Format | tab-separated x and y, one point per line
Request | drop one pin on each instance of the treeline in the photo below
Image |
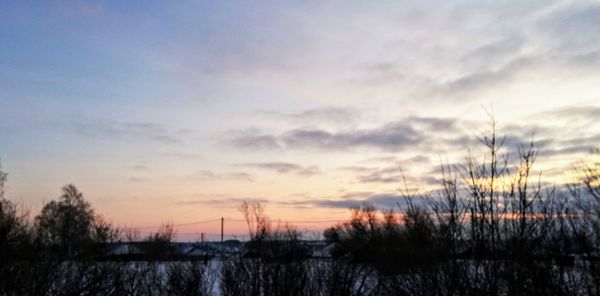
63	251
494	228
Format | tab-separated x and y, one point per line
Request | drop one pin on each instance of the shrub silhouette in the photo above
491	229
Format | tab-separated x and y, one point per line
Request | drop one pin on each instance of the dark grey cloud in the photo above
431	180
253	142
205	175
590	139
379	178
379	201
576	135
435	124
571	150
280	167
545	148
382	175
284	168
129	130
432	135
392	137
510	138
573	113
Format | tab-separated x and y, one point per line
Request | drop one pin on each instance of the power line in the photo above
235	220
180	224
292	221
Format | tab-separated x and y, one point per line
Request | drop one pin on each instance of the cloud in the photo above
380	159
377	178
386	175
574	113
181	155
561	41
280	167
217	48
417	159
392	136
470	85
355	168
253	142
390	171
221	200
284	168
435	124
336	115
310	171
389	174
575	27
381	201
129	130
140	167
206	175
571	150
497	52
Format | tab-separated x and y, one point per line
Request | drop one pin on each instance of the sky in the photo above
179	111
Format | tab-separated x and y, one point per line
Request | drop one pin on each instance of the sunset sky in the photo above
180	110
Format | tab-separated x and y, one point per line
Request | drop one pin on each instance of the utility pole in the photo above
222	222
202	237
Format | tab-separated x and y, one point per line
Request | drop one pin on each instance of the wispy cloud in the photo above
381	201
574	27
140	167
206	175
384	175
586	114
284	168
253	142
129	130
181	155
392	136
335	115
220	200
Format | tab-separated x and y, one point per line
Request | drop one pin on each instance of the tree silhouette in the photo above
66	224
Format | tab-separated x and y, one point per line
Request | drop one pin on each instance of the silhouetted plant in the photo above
66	224
188	279
273	262
492	229
158	246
